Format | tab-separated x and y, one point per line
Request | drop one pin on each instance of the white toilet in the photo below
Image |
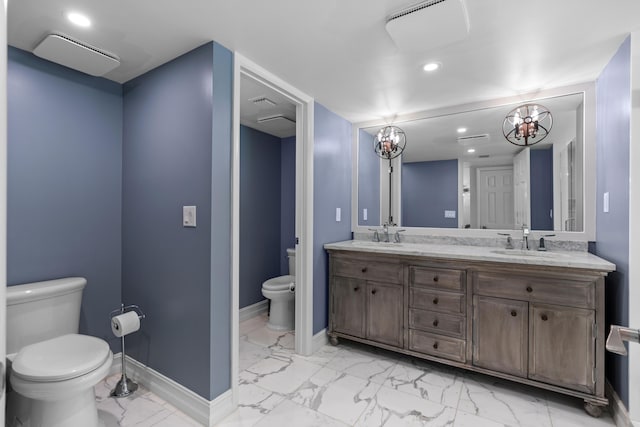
281	291
53	369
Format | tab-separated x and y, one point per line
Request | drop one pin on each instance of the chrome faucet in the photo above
525	237
376	236
396	236
509	244
385	230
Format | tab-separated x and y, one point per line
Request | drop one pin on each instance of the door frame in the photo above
304	209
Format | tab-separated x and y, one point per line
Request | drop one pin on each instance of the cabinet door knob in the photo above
435	300
544	317
364	269
529	289
435	278
435	345
373	292
435	322
514	313
356	289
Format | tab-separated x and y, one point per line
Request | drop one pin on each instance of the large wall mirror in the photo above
459	172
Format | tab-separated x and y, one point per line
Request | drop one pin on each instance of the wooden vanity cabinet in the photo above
541	327
367	299
538	325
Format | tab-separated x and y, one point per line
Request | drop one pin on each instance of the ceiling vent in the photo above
473	139
74	54
277	117
429	25
263	101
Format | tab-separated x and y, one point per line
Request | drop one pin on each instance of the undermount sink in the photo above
522	252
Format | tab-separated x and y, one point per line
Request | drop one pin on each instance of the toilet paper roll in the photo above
124	324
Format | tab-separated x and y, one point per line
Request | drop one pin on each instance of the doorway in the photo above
252	74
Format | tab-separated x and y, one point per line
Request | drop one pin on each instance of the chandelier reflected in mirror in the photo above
527	125
388	144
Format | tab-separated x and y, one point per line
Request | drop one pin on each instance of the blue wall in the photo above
541	178
180	276
368	180
428	189
331	190
613	98
287	200
260	202
64	183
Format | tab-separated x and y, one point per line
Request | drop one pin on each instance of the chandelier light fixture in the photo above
388	144
527	125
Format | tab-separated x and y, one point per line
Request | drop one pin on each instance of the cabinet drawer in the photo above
553	290
437	345
382	272
440	278
444	302
439	323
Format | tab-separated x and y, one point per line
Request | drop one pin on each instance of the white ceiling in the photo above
339	51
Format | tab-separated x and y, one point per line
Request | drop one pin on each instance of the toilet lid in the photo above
60	358
280	283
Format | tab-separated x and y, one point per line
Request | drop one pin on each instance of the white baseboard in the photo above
253	310
319	340
616	407
205	412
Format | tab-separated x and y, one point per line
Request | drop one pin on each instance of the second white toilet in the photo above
281	291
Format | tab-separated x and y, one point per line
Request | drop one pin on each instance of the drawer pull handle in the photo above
435	300
529	289
514	313
435	322
435	345
356	289
435	278
373	292
544	317
364	269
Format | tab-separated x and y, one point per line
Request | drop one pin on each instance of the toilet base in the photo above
282	314
75	411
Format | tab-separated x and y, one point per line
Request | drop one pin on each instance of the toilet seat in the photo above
281	283
61	358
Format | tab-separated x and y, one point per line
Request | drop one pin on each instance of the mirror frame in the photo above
589	160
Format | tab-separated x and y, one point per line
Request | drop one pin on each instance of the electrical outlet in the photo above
188	216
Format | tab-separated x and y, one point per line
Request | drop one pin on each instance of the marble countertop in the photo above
569	259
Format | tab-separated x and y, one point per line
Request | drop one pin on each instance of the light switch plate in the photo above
188	216
449	214
338	214
364	214
605	202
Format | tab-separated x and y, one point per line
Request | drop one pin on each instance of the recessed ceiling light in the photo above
431	66
471	150
462	130
79	19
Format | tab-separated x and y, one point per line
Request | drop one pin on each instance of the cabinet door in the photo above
562	346
500	334
348	306
385	313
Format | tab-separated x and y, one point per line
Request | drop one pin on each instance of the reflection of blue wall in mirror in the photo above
428	189
541	189
368	181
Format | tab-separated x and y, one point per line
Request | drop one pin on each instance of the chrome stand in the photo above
125	386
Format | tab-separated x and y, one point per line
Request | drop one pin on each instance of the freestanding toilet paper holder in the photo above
125	386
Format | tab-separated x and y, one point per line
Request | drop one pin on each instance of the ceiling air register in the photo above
429	25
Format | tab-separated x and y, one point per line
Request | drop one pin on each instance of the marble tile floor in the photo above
359	386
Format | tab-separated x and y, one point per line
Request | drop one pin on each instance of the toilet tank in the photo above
43	310
291	253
